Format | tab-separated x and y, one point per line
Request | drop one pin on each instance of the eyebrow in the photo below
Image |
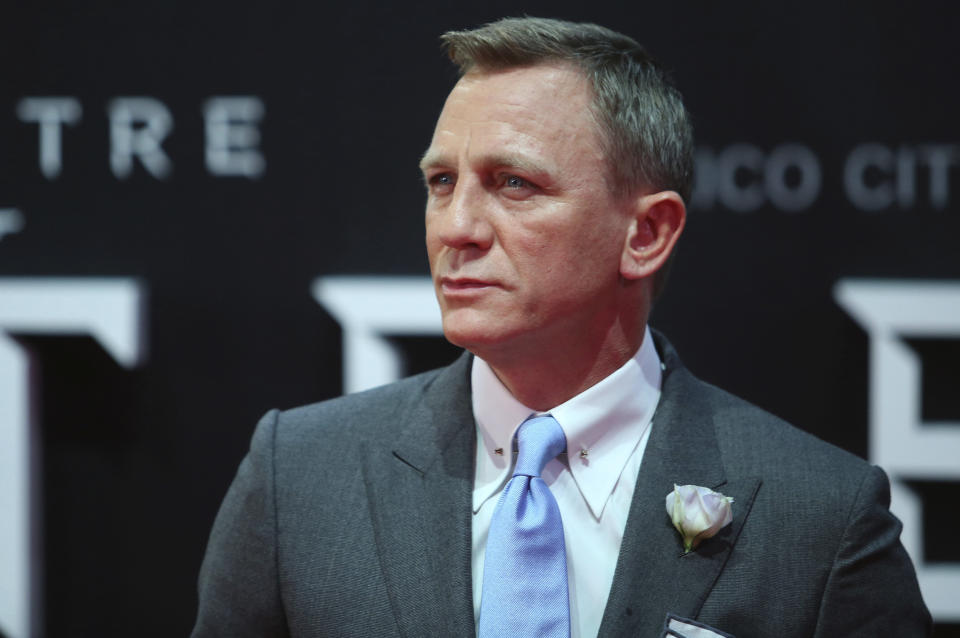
519	162
433	158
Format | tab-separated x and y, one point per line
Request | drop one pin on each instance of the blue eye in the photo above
441	183
516	182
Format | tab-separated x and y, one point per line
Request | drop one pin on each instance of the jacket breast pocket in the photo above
677	627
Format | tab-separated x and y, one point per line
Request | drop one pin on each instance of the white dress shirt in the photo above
607	427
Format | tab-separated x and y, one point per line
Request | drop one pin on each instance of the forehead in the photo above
541	110
519	86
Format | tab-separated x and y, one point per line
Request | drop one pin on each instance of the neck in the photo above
544	377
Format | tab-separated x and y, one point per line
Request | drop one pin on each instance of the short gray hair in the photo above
644	128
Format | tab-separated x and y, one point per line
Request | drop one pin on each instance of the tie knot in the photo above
539	439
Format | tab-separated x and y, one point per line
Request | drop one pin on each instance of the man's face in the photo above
524	234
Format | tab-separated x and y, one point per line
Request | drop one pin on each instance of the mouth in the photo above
463	285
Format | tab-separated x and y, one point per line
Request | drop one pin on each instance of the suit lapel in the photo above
420	495
653	576
420	499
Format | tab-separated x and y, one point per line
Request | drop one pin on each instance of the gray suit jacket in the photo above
352	518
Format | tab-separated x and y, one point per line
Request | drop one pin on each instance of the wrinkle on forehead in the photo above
557	84
540	112
562	78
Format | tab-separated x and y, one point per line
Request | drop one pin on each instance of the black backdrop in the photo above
132	462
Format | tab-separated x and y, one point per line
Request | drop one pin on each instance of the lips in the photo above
464	285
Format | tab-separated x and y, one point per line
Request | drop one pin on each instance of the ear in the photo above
656	223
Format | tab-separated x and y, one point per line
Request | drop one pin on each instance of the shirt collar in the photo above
606	421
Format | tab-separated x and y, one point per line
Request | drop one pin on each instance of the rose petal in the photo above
697	512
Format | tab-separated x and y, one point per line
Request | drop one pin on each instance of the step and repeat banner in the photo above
208	210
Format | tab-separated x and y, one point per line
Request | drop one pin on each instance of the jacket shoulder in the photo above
751	441
753	435
371	419
750	436
358	411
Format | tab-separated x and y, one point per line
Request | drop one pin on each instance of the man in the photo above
556	179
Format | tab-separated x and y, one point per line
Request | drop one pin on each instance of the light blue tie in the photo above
525	569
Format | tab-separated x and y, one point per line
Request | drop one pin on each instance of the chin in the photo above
470	331
466	338
480	334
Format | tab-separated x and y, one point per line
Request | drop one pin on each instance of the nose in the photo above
461	222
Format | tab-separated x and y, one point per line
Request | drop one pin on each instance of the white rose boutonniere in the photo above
698	513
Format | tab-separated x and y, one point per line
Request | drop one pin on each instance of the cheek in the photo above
430	238
433	259
571	252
